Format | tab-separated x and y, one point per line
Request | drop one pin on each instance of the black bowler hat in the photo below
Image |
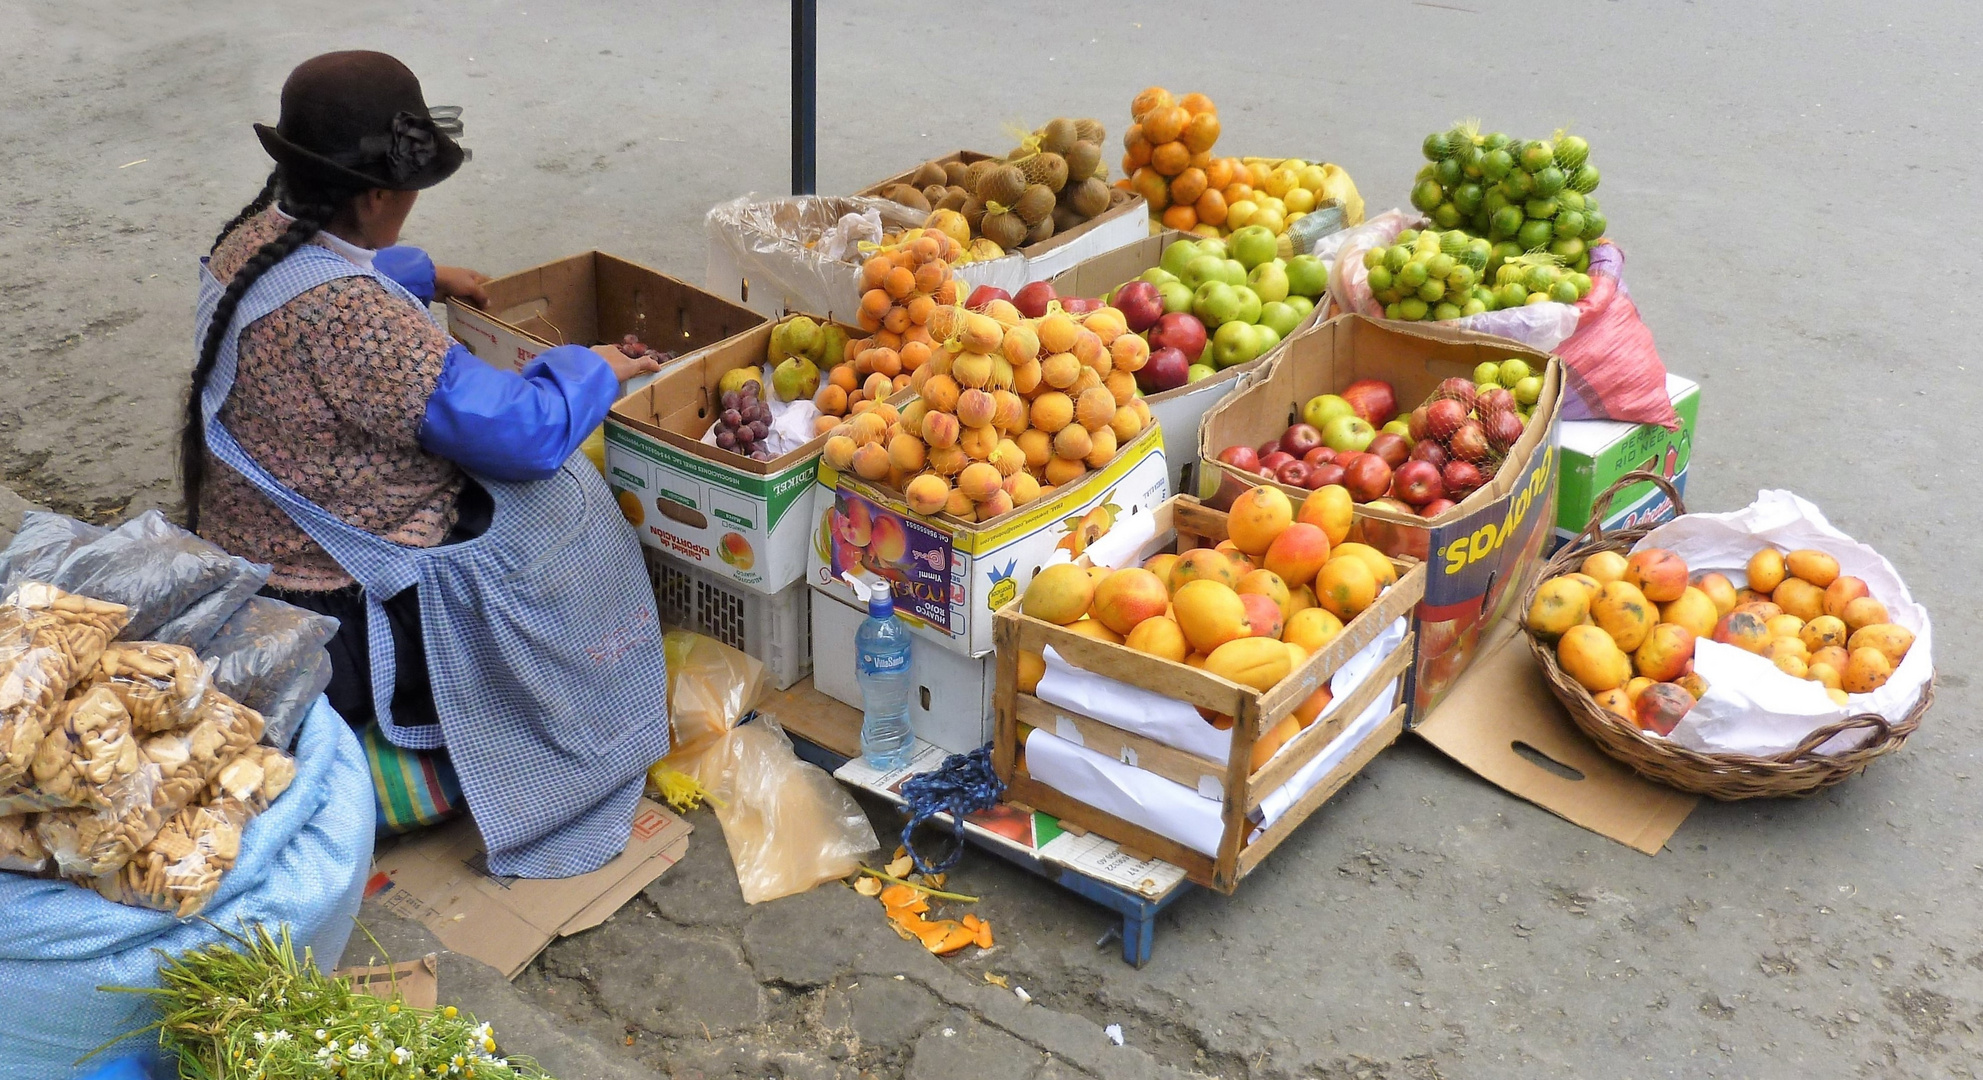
358	119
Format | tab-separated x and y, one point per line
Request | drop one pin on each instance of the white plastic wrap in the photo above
1751	707
770	252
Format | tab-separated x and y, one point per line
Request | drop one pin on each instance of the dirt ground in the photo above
1794	185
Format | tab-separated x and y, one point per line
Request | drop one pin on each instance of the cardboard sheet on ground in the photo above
441	879
1502	705
417	982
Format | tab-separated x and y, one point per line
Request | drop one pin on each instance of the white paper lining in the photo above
1751	707
1163	806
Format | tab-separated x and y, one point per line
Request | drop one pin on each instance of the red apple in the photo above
1417	482
1166	369
1461	479
1181	331
1469	443
1079	305
1443	417
985	294
1268	447
1240	457
1292	473
1346	458
1324	474
1390	446
1265	473
1503	428
1273	460
1367	478
1373	399
1420	426
1141	305
1493	399
1320	455
1300	439
1436	507
1460	390
1396	538
1032	299
1431	451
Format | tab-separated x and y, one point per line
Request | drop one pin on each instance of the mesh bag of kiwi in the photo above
1052	182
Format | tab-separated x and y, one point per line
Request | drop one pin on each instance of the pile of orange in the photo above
1168	160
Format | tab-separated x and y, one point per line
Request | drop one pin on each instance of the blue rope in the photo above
962	784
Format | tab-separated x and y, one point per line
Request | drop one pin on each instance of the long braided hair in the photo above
313	206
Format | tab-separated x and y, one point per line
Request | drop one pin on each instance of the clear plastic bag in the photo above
270	657
49	640
710	687
179	870
20	849
88	748
255	779
789	825
87	843
196	626
162	686
44	540
774	243
151	566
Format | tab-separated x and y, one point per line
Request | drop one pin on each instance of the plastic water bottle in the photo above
881	665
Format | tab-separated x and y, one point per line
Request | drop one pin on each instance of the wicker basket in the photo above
1728	777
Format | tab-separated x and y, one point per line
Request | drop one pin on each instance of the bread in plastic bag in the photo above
255	779
789	825
151	566
196	626
710	687
44	540
180	869
163	686
89	842
49	640
89	746
20	849
270	657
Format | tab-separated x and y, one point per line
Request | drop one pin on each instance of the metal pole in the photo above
805	94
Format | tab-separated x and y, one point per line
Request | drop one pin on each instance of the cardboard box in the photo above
441	879
1237	788
744	520
950	700
1506	725
1595	453
1178	411
949	575
415	982
592	299
1479	555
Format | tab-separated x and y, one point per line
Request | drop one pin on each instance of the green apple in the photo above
1270	280
1253	245
1281	316
1232	272
1401	428
1302	305
1486	373
1528	391
1199	371
1234	343
1323	408
1350	432
1157	275
1266	336
1307	276
1176	294
1249	304
1514	370
1201	269
1176	255
1212	245
1216	302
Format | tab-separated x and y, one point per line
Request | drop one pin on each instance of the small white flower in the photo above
360	1051
401	1055
322	1034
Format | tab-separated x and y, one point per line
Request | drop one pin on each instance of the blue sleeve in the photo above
409	266
517	427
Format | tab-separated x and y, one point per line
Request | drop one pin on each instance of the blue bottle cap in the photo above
881	603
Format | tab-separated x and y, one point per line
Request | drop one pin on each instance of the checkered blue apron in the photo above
541	634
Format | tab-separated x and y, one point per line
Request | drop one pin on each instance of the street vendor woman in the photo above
497	628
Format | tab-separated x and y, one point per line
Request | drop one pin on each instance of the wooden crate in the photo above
1254	712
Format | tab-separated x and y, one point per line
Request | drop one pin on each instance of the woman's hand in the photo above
460	283
626	367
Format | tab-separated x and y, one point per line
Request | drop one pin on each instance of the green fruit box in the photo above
949	575
592	299
1595	453
1480	554
745	520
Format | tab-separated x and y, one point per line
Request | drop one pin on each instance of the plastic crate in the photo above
776	628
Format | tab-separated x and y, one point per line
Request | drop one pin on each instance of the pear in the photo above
793	337
735	378
830	346
795	378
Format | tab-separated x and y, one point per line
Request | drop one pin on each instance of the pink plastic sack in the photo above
1611	370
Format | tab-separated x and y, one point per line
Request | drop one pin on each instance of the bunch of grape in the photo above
1523	196
745	423
635	348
